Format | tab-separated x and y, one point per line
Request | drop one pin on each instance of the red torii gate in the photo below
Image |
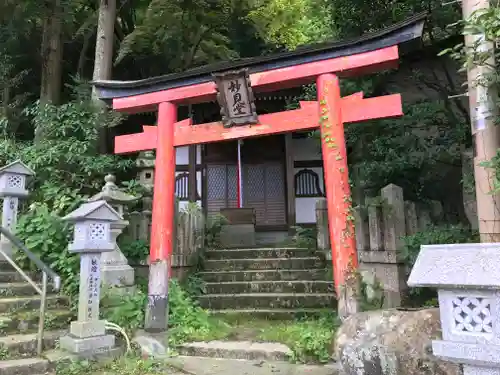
329	113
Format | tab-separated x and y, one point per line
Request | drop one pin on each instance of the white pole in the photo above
486	133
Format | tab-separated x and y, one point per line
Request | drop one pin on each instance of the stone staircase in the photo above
19	317
275	283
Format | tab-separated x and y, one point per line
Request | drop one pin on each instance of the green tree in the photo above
182	34
291	23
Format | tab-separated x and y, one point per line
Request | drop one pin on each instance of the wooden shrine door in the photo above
264	187
222	180
263	178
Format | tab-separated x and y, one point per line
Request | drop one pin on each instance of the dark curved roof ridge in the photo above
403	32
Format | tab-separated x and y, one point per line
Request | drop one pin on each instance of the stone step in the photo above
19	289
25	366
268	301
268	252
5	266
265	275
27	321
18	346
15	277
268	351
221	366
262	264
269	314
294	286
17	304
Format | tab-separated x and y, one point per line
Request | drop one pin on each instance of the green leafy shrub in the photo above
194	285
130	364
304	237
125	309
187	320
213	228
68	169
433	235
136	251
45	235
309	340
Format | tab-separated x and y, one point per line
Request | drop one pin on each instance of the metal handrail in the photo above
46	272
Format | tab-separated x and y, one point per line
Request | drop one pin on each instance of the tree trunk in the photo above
104	55
83	54
52	53
4	110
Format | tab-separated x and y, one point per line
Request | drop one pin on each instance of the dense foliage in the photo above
68	169
434	235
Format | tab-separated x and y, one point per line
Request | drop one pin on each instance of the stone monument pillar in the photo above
116	271
12	187
322	232
92	237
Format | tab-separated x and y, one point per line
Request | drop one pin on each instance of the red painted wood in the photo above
266	81
354	109
305	118
144	141
162	230
338	193
305	73
199	93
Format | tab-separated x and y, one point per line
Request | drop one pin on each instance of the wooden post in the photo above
192	176
290	182
162	231
340	218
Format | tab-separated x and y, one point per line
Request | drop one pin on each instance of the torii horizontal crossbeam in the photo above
355	108
267	81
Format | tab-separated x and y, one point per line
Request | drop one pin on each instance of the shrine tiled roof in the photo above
406	34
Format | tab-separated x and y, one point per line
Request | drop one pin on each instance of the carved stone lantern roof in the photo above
17	167
112	194
98	210
145	160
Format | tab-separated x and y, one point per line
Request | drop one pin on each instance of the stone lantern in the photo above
116	271
12	187
146	171
146	165
467	278
13	179
92	237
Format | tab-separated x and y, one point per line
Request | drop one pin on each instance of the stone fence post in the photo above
382	260
92	237
322	233
467	278
12	187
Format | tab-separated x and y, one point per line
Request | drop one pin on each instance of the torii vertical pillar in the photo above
338	194
162	239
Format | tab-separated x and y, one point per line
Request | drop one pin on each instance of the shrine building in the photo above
279	174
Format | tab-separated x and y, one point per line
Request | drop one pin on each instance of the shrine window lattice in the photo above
182	187
307	184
